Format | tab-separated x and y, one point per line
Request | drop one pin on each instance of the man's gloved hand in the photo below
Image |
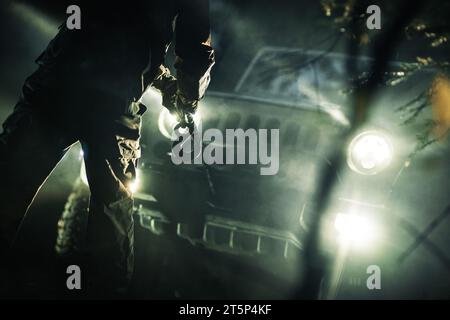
186	105
166	84
185	111
173	99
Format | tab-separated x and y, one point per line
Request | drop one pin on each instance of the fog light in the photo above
369	153
355	230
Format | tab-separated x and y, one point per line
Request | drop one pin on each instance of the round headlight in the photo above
369	153
167	122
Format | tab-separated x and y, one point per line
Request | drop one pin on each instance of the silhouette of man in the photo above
86	89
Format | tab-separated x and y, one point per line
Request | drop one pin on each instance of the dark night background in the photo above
168	268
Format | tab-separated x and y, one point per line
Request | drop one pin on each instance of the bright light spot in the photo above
136	183
355	230
369	153
133	186
167	122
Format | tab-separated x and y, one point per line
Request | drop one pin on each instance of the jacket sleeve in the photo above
195	56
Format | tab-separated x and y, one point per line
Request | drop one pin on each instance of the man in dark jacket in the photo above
86	89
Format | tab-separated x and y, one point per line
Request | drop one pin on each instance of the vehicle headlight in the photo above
167	122
369	153
355	229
